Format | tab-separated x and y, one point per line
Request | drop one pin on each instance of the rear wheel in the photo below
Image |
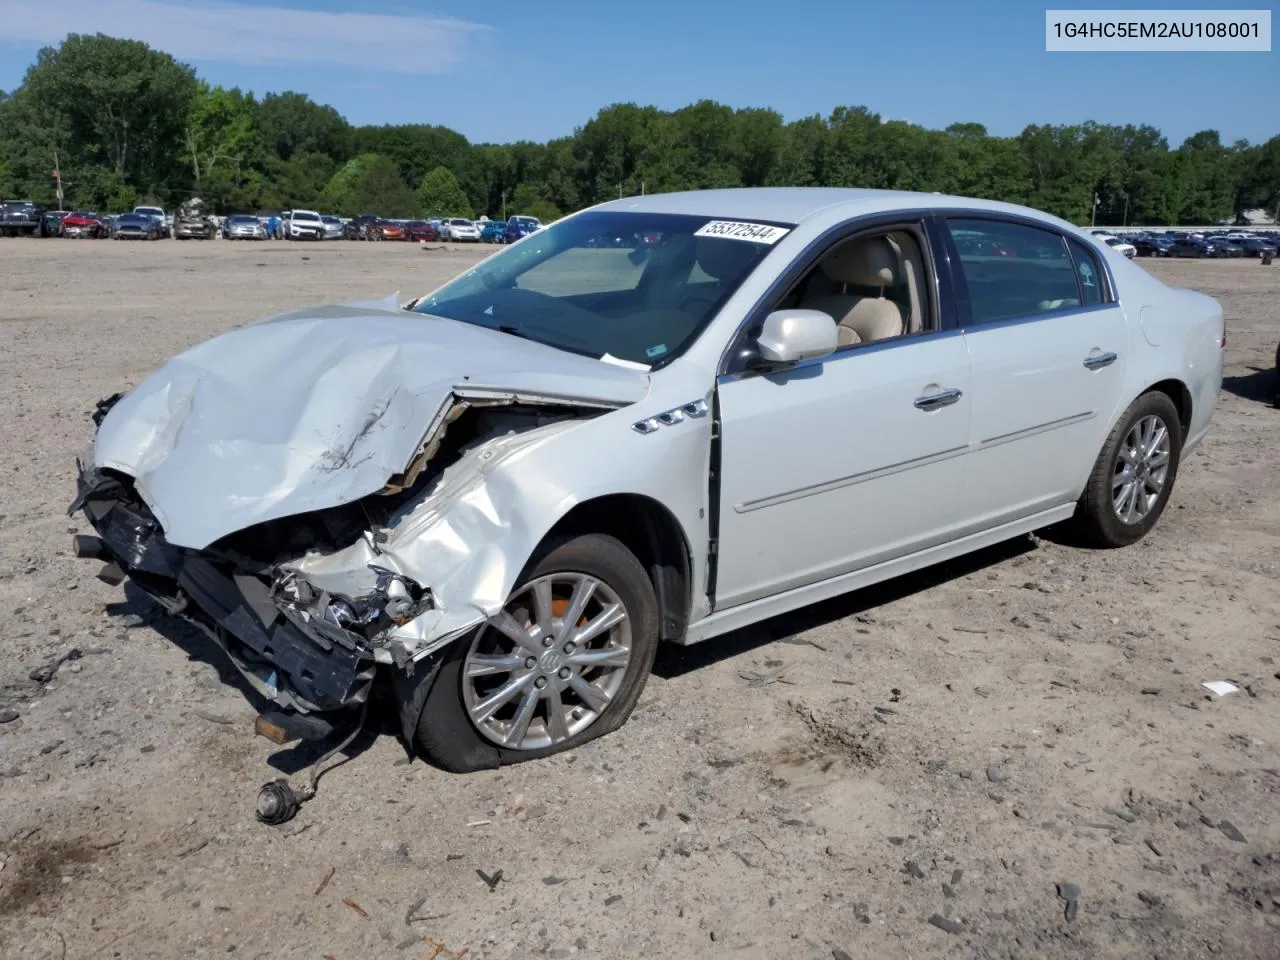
563	662
1133	475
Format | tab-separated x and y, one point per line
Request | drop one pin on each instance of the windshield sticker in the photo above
657	351
737	230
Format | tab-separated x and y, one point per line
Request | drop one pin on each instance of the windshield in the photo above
460	223
633	286
148	211
303	215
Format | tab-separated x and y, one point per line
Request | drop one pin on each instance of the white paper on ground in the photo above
1219	687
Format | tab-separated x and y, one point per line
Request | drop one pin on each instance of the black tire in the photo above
445	733
1096	521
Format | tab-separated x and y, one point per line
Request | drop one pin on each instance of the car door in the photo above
841	463
1048	346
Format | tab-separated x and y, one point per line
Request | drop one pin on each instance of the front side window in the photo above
1013	270
631	286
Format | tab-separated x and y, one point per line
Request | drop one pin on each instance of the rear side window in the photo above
1089	272
1013	270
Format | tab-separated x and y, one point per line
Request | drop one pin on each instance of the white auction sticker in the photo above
737	230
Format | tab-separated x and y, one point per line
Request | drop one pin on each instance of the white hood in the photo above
318	408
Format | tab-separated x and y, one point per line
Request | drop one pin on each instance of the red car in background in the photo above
81	224
421	230
385	230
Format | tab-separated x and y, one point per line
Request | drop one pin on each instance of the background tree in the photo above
127	122
440	195
370	183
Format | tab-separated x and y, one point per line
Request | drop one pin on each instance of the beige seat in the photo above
865	262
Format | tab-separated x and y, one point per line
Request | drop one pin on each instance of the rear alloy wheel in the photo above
562	663
1133	475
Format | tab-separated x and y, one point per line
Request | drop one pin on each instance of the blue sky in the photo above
503	70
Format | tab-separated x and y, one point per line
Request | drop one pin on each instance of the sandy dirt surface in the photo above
954	745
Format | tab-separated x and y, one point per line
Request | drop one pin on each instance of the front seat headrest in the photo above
867	263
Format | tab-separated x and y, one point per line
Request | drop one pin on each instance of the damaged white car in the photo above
663	418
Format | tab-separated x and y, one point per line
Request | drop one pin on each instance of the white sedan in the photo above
660	419
456	228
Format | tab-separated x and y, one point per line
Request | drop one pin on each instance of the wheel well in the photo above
1176	391
648	530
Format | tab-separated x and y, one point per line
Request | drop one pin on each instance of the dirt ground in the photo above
954	745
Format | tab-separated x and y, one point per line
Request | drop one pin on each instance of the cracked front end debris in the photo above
308	494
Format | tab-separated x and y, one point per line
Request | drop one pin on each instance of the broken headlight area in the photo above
394	601
308	651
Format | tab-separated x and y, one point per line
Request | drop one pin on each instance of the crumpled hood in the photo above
318	408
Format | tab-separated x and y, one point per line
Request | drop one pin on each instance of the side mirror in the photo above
789	336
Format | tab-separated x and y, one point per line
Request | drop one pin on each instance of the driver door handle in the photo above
1097	361
935	401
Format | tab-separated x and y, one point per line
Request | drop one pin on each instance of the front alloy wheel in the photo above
562	662
549	664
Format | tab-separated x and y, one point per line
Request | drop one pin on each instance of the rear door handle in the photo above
934	401
1097	361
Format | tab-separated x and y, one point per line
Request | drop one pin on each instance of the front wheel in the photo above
563	662
1133	475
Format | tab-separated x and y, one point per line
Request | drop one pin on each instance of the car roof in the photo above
797	204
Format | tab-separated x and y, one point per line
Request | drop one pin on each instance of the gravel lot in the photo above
951	746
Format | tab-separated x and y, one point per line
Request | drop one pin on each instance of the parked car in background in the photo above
139	226
493	231
334	228
157	214
519	227
459	230
192	223
1188	246
51	222
1257	247
83	224
385	230
21	217
1122	247
796	401
243	226
1225	247
303	225
421	230
1153	246
358	227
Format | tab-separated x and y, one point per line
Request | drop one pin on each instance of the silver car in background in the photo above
663	418
334	228
243	226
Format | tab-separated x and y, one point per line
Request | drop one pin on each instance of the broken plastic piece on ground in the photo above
1220	688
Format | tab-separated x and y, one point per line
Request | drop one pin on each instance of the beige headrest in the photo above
868	263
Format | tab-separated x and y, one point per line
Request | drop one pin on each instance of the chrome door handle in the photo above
934	401
1099	360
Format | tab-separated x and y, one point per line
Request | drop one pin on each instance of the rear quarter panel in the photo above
1176	334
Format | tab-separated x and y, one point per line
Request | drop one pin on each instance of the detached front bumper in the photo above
304	665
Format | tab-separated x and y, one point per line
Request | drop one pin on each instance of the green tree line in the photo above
127	124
